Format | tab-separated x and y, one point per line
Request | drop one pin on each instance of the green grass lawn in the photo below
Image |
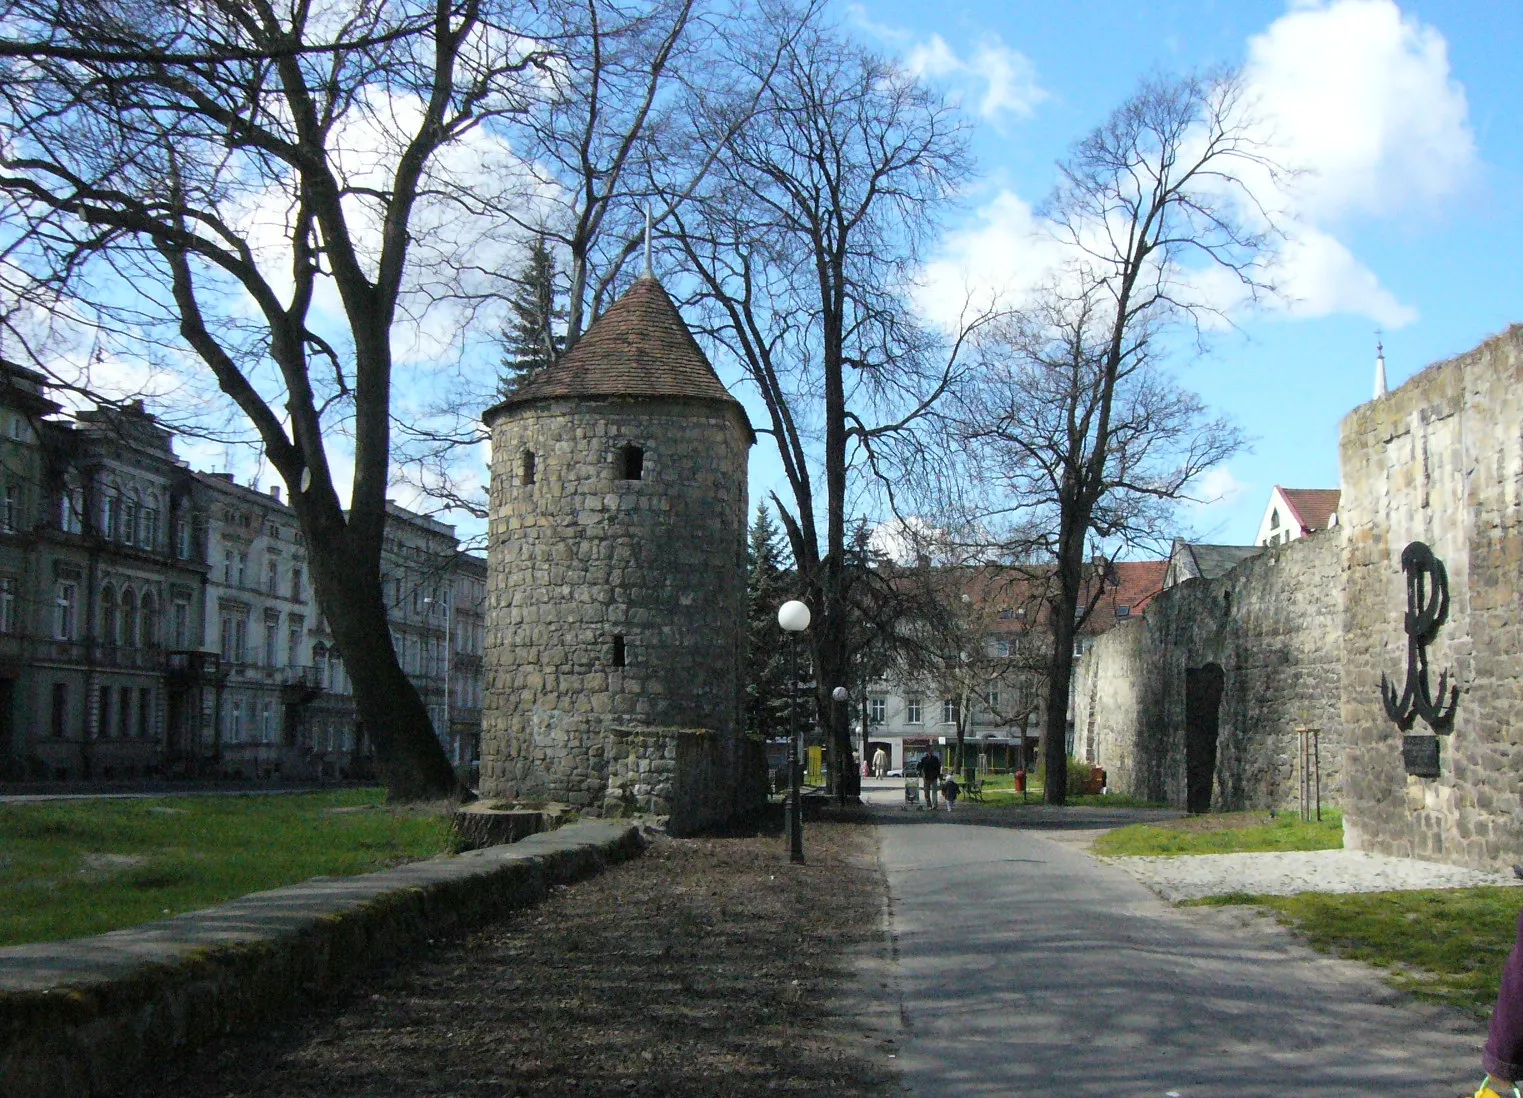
72	868
1225	833
1445	945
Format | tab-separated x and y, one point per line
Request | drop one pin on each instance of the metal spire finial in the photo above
648	273
1380	366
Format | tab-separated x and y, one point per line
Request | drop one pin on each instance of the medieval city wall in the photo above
616	610
1273	626
1440	461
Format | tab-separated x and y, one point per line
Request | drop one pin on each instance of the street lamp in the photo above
793	616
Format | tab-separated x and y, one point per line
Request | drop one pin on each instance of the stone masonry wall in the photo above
1273	625
581	557
1439	460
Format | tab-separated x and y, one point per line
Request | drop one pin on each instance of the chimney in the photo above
275	492
1380	371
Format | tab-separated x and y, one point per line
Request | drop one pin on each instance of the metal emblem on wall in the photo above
1427	607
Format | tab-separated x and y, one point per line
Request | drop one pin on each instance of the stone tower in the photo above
616	604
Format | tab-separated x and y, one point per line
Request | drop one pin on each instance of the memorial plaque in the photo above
1420	753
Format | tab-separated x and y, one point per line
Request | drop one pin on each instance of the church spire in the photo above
1380	368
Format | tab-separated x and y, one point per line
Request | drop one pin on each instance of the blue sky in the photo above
1405	117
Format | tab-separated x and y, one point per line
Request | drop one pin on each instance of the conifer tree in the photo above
530	338
766	648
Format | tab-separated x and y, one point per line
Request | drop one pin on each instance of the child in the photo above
949	790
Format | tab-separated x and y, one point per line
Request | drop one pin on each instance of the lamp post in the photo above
793	616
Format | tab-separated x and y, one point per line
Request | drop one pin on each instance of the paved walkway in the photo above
1025	966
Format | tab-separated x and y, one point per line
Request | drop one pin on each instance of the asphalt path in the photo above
1022	966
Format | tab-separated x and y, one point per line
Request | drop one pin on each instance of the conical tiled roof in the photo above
640	348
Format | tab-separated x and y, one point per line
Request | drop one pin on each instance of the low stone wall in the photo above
1273	625
78	1018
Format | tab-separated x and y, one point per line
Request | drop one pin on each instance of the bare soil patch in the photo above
702	968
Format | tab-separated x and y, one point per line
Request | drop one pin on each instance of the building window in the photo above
65	599
182	539
1003	648
149	532
105	723
267	722
148	634
182	625
129	522
124	712
1274	519
71	509
618	651
7	605
297	580
271	636
294	628
110	620
991	699
631	463
875	709
110	510
271	575
911	710
59	717
10	509
948	711
1123	611
526	468
227	567
1006	614
129	618
144	711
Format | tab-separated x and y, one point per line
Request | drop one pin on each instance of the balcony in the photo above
189	668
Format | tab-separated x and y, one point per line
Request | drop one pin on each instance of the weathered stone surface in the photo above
1439	460
659	581
1273	624
1305	632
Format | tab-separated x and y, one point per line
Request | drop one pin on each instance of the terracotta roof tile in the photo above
640	347
1314	507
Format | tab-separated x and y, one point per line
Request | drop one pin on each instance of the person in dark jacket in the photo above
930	777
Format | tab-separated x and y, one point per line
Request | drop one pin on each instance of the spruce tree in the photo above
766	647
530	338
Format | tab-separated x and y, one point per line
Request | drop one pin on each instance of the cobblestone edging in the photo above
79	1017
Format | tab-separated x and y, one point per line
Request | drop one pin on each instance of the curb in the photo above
80	1017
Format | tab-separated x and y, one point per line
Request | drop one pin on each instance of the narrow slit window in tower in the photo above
631	463
618	650
526	468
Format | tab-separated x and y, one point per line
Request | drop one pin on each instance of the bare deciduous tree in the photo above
241	187
1080	434
804	240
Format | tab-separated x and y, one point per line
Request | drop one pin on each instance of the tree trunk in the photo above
412	762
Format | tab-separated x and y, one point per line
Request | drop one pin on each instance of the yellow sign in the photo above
815	774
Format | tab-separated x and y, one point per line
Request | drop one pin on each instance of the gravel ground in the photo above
1192	876
701	968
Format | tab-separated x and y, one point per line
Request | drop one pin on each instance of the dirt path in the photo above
699	969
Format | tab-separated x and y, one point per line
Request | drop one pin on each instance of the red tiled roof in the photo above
1313	507
640	347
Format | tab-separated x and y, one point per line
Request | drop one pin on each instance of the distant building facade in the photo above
1296	512
997	692
158	621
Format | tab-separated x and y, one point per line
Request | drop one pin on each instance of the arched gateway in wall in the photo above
616	606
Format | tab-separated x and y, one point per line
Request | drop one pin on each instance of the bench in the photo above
974	790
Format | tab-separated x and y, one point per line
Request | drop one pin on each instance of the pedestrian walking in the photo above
880	763
949	791
1502	1058
930	777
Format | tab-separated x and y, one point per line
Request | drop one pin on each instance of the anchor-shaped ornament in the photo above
1427	607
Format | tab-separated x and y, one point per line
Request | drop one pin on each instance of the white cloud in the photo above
1217	487
1363	98
1002	80
1353	96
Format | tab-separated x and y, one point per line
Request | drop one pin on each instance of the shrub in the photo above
1078	774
